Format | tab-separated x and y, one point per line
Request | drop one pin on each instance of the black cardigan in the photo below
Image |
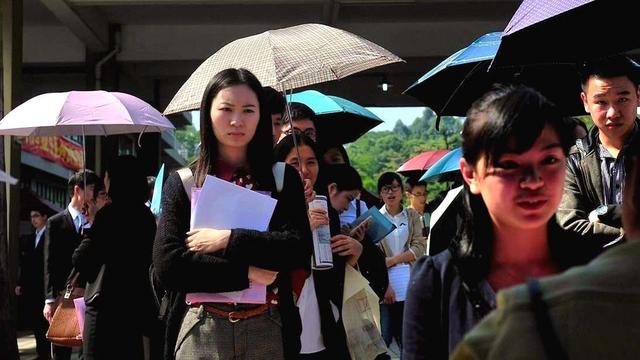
286	246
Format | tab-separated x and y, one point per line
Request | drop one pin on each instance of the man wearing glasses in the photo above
417	194
302	119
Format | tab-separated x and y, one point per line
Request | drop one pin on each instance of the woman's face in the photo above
235	113
521	191
309	163
333	156
391	194
340	200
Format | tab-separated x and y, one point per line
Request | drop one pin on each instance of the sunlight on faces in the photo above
235	113
391	194
521	191
340	200
418	196
613	105
310	167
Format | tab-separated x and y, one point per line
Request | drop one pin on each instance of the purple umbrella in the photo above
567	31
83	113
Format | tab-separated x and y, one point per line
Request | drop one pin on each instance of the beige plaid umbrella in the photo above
286	59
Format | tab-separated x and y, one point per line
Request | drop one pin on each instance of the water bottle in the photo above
322	255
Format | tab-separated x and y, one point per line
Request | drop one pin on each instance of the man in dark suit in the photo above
62	237
30	287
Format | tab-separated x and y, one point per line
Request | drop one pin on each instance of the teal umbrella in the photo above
447	166
157	193
338	120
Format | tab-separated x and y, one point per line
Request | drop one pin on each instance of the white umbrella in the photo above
4	177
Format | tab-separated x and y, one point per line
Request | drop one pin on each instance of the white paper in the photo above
399	280
224	205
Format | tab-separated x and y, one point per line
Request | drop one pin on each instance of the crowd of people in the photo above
511	275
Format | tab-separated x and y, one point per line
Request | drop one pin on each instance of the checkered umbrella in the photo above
286	59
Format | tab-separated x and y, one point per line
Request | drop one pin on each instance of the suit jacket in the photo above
61	240
416	242
31	278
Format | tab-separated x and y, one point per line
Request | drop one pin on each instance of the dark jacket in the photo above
440	309
119	305
61	239
286	246
31	278
583	191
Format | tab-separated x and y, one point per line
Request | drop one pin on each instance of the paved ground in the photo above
27	347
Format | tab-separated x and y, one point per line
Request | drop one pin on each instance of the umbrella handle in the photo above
140	136
293	133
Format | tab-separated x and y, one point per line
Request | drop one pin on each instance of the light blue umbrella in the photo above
338	120
448	165
157	193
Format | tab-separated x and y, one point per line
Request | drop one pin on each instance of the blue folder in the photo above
379	227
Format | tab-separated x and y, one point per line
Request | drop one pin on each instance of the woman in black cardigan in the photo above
236	145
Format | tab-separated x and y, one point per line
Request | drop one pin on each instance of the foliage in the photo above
378	152
188	142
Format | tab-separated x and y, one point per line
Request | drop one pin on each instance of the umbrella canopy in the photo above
567	31
83	113
451	87
286	59
421	162
338	120
445	167
6	178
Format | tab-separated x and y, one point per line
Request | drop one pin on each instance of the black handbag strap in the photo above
481	306
550	341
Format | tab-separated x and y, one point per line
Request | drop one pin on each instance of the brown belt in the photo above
235	316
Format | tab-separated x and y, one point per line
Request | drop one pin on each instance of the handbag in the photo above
64	329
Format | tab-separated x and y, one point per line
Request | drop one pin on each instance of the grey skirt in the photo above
207	336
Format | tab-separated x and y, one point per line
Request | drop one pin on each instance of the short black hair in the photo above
274	100
301	111
610	67
387	179
40	209
413	182
79	179
344	176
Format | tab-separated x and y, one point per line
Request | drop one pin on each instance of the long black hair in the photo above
127	181
286	145
259	153
506	119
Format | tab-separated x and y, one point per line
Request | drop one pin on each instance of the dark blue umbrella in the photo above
447	166
450	88
567	31
338	120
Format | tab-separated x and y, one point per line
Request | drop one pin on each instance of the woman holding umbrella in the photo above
514	144
236	145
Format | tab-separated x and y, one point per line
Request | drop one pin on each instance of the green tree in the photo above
188	142
378	152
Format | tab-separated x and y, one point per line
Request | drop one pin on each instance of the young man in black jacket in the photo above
594	183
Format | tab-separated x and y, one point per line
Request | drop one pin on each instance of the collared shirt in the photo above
612	171
350	215
399	237
39	234
78	219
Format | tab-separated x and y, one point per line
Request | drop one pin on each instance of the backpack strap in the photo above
278	175
188	181
358	211
550	341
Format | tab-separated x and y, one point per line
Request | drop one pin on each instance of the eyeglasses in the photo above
310	132
390	188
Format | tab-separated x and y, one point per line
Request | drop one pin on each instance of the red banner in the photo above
56	149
